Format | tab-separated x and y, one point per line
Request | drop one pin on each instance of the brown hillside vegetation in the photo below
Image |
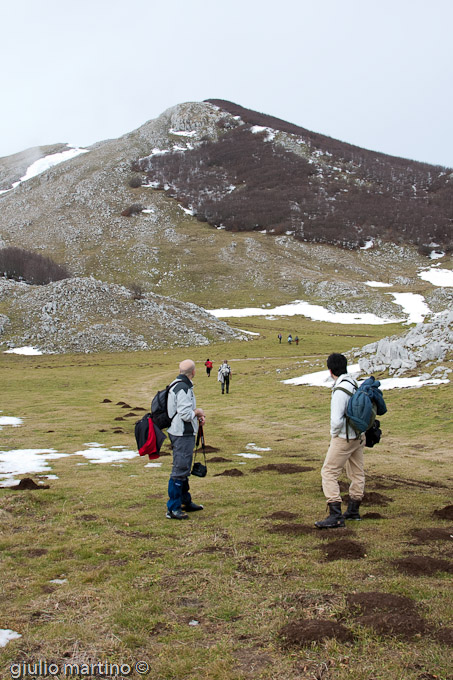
315	187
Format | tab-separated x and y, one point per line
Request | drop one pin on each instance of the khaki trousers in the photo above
348	455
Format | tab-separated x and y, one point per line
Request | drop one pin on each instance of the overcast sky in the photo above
375	73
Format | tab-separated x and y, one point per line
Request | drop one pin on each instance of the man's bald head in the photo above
187	367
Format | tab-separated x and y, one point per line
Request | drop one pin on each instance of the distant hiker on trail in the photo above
208	364
185	416
345	450
279	336
223	376
296	339
290	339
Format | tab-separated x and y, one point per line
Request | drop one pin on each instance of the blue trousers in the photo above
178	485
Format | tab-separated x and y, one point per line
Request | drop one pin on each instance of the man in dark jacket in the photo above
185	417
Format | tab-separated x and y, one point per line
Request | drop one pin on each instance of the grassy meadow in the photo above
226	595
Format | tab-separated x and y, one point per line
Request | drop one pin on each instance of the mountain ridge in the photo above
76	213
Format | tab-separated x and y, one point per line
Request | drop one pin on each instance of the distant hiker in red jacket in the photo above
208	364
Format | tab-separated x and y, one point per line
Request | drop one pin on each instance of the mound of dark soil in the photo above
211	449
419	565
305	631
106	401
126	406
119	418
283	468
373	498
292	529
375	601
394	623
344	549
29	485
230	473
218	459
281	514
138	408
387	614
444	513
372	515
444	635
432	534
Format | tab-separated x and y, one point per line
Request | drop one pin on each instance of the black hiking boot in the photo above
353	510
191	507
335	518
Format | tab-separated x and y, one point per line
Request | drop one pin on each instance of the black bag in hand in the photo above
198	469
373	435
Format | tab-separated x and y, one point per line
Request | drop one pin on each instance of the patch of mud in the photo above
444	513
432	534
417	483
213	549
292	529
230	473
281	514
420	565
344	549
132	534
27	484
219	459
283	468
150	555
304	632
251	661
36	552
160	628
373	515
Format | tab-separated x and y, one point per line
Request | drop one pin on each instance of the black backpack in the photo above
159	412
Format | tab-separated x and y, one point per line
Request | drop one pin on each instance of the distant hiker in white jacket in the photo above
223	376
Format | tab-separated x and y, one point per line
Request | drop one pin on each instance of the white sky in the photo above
376	74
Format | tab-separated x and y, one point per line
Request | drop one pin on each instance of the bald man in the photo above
185	417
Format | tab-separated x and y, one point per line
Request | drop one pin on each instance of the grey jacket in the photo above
181	406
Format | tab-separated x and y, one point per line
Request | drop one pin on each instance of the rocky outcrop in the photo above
86	315
426	343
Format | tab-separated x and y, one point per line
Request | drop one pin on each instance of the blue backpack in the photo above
364	405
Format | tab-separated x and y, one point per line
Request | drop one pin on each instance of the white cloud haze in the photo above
378	75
